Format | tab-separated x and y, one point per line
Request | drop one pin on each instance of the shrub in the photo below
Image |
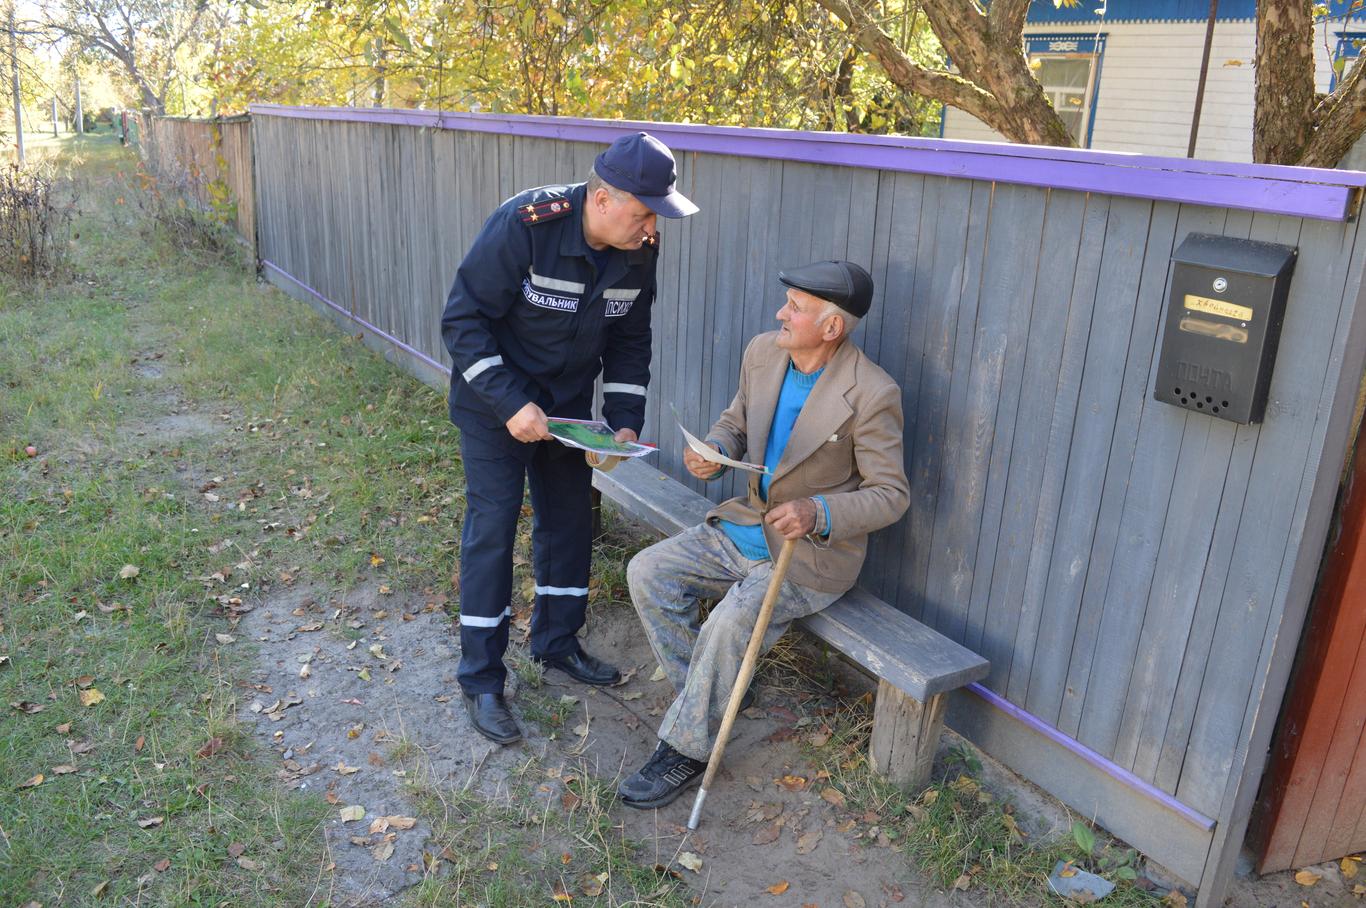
35	226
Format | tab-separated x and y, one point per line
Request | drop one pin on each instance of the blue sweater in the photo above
796	389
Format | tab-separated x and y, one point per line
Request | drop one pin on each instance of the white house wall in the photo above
1148	78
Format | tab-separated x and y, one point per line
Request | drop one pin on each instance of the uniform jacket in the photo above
846	446
529	318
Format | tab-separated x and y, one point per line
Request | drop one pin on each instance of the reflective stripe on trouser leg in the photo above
494	475
562	546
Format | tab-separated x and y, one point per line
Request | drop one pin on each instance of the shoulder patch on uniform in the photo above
542	211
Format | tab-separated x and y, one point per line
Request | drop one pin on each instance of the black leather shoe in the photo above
582	667
491	717
665	776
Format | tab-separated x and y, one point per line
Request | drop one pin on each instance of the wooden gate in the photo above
1313	802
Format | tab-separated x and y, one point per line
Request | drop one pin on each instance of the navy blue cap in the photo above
843	283
643	166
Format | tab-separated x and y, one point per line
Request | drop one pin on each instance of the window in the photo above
1345	54
1068	68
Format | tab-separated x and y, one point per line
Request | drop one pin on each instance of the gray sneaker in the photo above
662	779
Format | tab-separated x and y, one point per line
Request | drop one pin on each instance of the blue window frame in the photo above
1347	50
1068	68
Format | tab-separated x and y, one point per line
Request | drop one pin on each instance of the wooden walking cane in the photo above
756	641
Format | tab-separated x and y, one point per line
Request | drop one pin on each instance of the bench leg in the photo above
905	735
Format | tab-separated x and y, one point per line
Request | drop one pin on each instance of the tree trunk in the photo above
994	84
1282	123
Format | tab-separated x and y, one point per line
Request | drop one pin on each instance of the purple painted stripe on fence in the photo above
553	127
1110	768
1293	191
413	351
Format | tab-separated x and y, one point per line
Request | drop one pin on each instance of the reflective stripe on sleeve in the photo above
478	368
621	293
616	387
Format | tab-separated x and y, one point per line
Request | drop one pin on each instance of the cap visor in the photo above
673	205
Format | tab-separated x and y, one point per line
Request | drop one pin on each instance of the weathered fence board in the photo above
1136	573
208	161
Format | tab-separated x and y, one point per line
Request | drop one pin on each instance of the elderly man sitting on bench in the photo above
827	422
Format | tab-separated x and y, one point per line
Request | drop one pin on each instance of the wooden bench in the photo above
915	666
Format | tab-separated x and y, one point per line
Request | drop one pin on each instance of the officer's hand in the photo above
528	424
625	435
793	519
699	466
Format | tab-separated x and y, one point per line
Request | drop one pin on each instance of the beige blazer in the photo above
846	446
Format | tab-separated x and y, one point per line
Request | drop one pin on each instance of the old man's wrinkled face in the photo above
803	327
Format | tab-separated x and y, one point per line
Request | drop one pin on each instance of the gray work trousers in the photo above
668	582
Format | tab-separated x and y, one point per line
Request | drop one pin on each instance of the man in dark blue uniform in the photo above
556	289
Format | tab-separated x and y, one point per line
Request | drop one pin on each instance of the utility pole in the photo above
80	115
14	78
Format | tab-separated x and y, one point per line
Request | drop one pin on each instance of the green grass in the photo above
343	469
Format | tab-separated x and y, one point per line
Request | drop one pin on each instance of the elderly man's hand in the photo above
528	424
626	435
793	519
699	466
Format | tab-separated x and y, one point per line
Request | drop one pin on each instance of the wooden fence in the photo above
207	160
1137	574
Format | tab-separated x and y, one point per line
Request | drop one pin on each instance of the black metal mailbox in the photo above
1223	324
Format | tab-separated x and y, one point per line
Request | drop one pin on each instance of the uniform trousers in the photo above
496	468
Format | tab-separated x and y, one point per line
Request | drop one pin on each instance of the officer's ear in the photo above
600	198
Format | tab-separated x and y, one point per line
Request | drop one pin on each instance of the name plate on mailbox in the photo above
1223	324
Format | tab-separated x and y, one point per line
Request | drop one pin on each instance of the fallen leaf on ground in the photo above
151	822
559	894
853	900
767	835
248	864
1175	899
401	822
569	800
690	861
963	881
352	813
345	770
33	782
65	769
792	783
658	675
833	796
383	851
25	706
236	850
139	744
84	681
100	890
1349	866
225	639
1307	877
91	697
64	728
808	841
211	747
162	865
590	884
128	572
777	888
